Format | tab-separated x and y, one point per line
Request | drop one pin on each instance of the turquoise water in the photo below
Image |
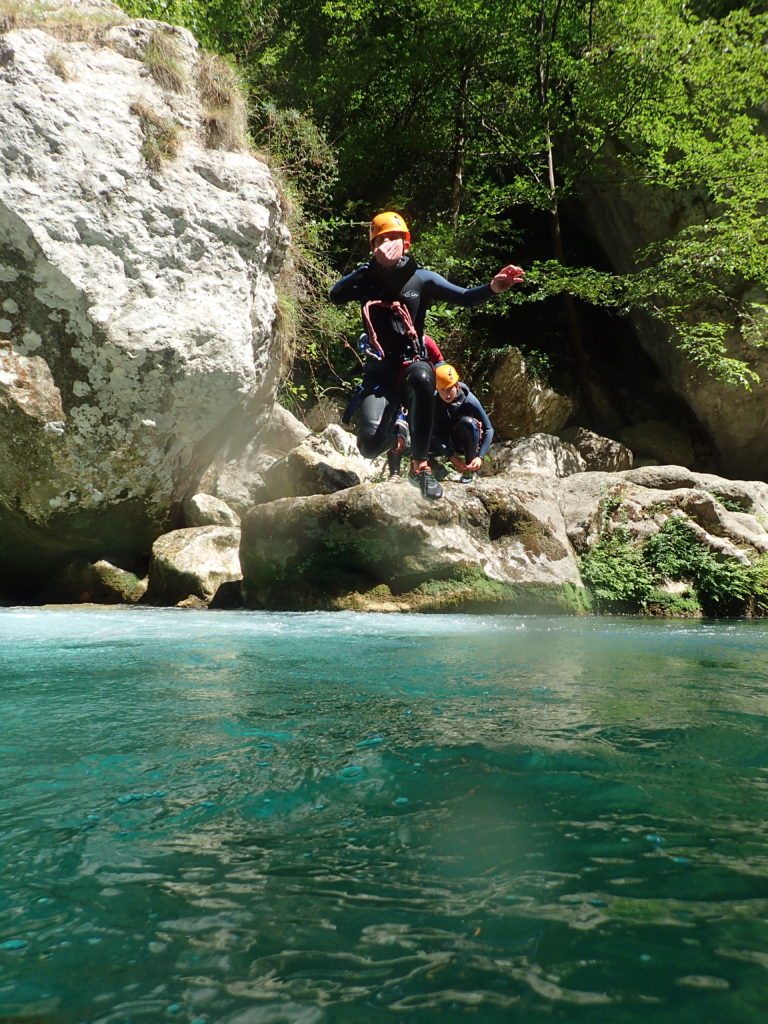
257	818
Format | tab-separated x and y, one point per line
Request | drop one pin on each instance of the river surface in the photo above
259	818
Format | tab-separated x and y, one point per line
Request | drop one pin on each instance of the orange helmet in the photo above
445	376
388	221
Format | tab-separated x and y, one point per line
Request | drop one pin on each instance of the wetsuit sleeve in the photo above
474	408
350	287
440	290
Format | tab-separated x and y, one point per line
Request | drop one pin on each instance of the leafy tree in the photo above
481	121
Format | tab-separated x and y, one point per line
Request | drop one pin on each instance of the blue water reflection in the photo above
253	817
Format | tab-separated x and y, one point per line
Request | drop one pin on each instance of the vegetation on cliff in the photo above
486	124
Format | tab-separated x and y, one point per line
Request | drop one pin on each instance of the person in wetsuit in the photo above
461	429
395	294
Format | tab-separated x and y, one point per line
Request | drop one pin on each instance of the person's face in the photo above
448	394
389	248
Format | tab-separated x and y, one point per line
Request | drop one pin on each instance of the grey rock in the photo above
315	467
600	454
193	563
510	530
521	404
206	510
136	305
100	582
539	453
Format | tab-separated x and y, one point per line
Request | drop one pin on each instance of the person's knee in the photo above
368	444
421	379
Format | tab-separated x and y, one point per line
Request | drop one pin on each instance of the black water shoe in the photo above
438	470
426	482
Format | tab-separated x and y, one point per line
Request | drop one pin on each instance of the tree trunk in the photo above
459	147
571	313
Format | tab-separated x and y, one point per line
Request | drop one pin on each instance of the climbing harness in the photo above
403	314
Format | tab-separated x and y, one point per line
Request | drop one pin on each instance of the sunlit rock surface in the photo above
137	305
314	551
193	562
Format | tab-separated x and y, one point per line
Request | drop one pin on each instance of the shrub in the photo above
616	574
162	135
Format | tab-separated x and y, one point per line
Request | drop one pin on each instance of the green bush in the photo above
616	575
626	577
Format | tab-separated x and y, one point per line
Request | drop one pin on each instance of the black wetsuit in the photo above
403	376
461	426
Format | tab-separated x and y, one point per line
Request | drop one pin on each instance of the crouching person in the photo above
461	429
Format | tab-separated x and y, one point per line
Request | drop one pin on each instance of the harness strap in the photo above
400	310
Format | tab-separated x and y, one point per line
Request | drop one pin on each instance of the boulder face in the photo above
137	288
624	220
521	403
497	542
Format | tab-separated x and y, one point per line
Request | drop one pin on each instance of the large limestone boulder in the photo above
521	403
189	566
137	290
382	545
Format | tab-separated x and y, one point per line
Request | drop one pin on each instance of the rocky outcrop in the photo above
624	220
500	541
521	403
598	453
514	540
648	496
137	286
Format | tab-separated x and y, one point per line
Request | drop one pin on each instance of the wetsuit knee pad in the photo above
374	422
466	437
420	377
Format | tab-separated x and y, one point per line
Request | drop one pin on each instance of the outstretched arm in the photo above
441	290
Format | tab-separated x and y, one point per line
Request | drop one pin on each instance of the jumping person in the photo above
462	430
395	457
395	294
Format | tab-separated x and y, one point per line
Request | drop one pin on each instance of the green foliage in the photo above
663	603
479	120
724	585
626	576
616	574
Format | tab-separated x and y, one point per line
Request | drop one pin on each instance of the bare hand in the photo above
507	277
474	464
